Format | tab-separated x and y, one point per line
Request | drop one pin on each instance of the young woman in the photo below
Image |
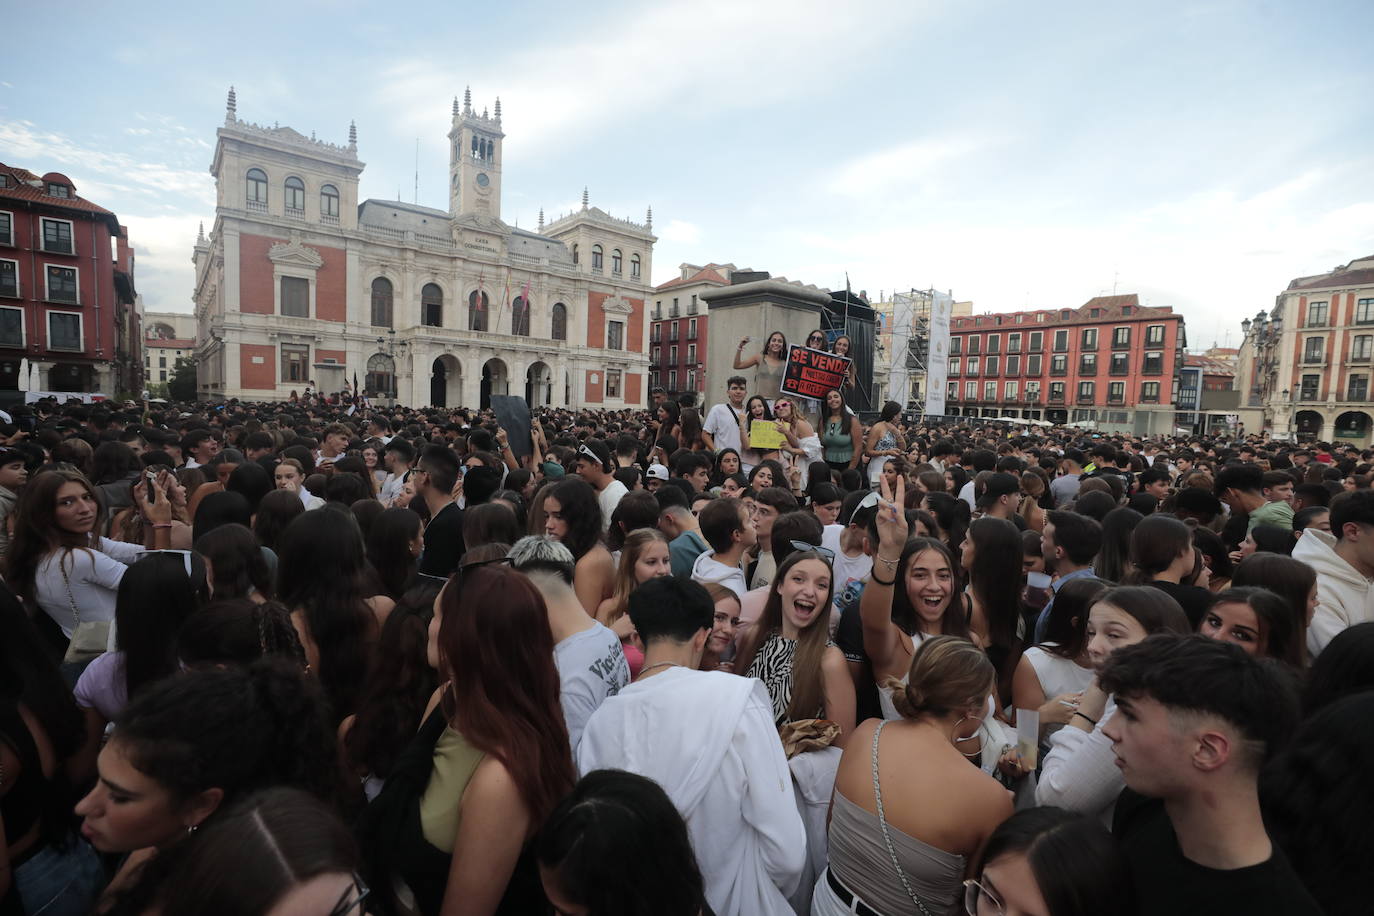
1215	557
769	362
491	760
1265	539
490	523
841	435
1050	862
235	564
290	476
1258	621
841	347
884	440
573	515
1113	562
756	409
734	486
275	512
239	631
801	443
768	473
644	556
393	549
952	514
1080	772
790	649
1033	507
616	844
726	623
1052	675
727	465
906	797
372	459
667	417
991	558
1292	580
1163	557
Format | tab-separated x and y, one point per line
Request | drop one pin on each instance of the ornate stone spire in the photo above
585	199
485	115
455	106
467	100
353	135
498	109
649	219
200	235
231	108
541	219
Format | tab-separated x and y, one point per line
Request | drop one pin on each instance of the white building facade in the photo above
300	284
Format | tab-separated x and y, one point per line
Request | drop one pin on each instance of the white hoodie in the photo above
708	739
1344	597
707	569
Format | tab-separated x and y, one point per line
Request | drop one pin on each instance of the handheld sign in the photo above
764	436
513	415
811	373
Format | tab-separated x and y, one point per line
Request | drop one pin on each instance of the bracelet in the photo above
167	525
890	564
889	583
1086	718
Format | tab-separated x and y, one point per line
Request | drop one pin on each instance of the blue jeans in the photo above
61	880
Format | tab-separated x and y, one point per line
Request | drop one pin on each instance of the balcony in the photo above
255	206
1314	359
1354	360
62	299
1122	370
1085	399
1031	397
293	213
1121	344
1059	373
1308	396
329	220
1115	399
1087	371
1056	397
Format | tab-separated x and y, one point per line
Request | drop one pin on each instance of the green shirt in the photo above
1279	514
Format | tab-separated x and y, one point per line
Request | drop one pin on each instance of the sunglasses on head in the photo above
823	551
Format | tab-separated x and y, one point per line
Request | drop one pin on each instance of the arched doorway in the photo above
1353	425
495	380
445	382
381	376
1309	424
70	377
538	385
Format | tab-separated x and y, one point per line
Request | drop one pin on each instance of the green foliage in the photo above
182	384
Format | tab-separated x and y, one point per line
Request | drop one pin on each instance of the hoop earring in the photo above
955	741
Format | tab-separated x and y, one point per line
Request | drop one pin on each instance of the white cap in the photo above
657	472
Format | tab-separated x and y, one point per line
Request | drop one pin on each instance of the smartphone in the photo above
149	481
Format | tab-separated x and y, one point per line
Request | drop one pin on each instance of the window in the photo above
1087	364
989	391
162	362
11	327
9	279
1310	388
1316	314
994	343
58	190
656	359
1121	338
1313	350
295	297
329	203
692	306
62	284
974	344
616	266
576	255
956	346
990	366
1013	365
1357	389
1061	341
295	363
381	302
673	328
692	354
973	365
615	336
1032	391
477	310
692	328
1033	364
1154	335
1009	391
1086	390
1121	364
613	383
520	317
954	368
1359	347
1089	340
1037	341
1057	391
558	329
64	331
1364	311
953	391
634	271
432	306
295	195
162	375
672	355
1059	364
57	236
6	228
596	257
1154	363
970	391
256	189
1013	343
1116	393
1149	392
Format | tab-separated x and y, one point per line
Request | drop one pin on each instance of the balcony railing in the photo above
1032	397
1121	345
255	206
1056	398
329	220
1085	398
1309	359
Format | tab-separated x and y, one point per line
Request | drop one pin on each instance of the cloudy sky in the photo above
1019	154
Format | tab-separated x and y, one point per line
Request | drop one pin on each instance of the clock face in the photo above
482	180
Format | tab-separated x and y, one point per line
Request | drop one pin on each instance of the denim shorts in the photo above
61	880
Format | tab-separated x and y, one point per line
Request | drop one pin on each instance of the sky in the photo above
1021	155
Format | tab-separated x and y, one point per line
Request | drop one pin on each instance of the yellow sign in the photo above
764	436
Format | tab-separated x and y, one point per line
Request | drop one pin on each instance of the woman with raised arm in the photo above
884	441
769	363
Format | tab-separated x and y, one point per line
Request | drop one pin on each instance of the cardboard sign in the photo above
764	436
811	373
513	415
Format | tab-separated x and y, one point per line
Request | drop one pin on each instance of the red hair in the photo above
496	648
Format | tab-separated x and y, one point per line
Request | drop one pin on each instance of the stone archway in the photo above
495	380
1353	425
1308	424
446	382
538	385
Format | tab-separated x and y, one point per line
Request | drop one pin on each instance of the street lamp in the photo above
389	346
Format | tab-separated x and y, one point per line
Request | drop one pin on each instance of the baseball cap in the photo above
657	472
552	469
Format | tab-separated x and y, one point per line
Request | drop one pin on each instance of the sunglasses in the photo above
870	500
585	451
348	903
823	551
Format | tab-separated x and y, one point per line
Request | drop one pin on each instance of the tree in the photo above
182	385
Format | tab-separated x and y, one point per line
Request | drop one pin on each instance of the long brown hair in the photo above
496	650
635	542
36	533
808	688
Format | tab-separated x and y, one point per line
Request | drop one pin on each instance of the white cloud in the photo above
681	232
912	166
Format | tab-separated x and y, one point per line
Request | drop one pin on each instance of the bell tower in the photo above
474	170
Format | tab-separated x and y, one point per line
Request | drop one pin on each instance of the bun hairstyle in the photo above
947	673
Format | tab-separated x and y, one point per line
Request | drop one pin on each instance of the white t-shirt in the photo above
609	499
591	666
722	424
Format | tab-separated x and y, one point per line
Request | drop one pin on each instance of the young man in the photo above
1241	487
695	468
626	451
709	740
681	528
336	439
655	477
657	396
435	482
769	503
1155	481
199	446
590	660
980	460
1196	719
13	475
399	458
1065	487
257	446
593	464
1278	486
1343	560
721	428
1068	544
1001	498
727	526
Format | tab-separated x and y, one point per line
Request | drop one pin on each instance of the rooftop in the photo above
1359	272
25	185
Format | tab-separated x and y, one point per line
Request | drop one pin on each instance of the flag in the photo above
479	287
356	389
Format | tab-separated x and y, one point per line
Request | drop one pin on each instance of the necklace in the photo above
646	669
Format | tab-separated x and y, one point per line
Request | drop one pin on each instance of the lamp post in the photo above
389	346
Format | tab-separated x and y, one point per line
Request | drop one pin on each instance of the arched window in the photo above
617	262
381	303
520	317
257	187
634	267
559	328
432	306
295	194
329	202
477	311
381	375
596	257
576	254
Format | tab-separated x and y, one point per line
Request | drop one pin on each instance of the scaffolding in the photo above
918	316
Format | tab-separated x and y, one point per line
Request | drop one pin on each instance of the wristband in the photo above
1086	718
890	564
889	583
167	525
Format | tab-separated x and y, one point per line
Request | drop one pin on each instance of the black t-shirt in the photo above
1194	599
1168	884
849	637
443	542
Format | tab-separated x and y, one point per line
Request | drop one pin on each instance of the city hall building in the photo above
300	284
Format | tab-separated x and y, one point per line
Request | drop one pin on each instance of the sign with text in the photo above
764	435
811	373
937	360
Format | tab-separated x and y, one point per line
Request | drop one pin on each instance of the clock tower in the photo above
474	170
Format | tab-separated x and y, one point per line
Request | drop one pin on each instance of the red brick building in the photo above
1111	361
678	329
67	298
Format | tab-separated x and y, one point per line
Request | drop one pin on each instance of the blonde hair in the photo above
947	673
635	542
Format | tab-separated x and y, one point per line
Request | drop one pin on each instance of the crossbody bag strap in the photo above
882	824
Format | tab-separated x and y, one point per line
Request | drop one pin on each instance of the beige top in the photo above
767	379
455	760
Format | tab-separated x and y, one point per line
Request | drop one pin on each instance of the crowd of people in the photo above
322	658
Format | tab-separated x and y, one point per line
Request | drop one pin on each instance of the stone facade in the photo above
300	284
